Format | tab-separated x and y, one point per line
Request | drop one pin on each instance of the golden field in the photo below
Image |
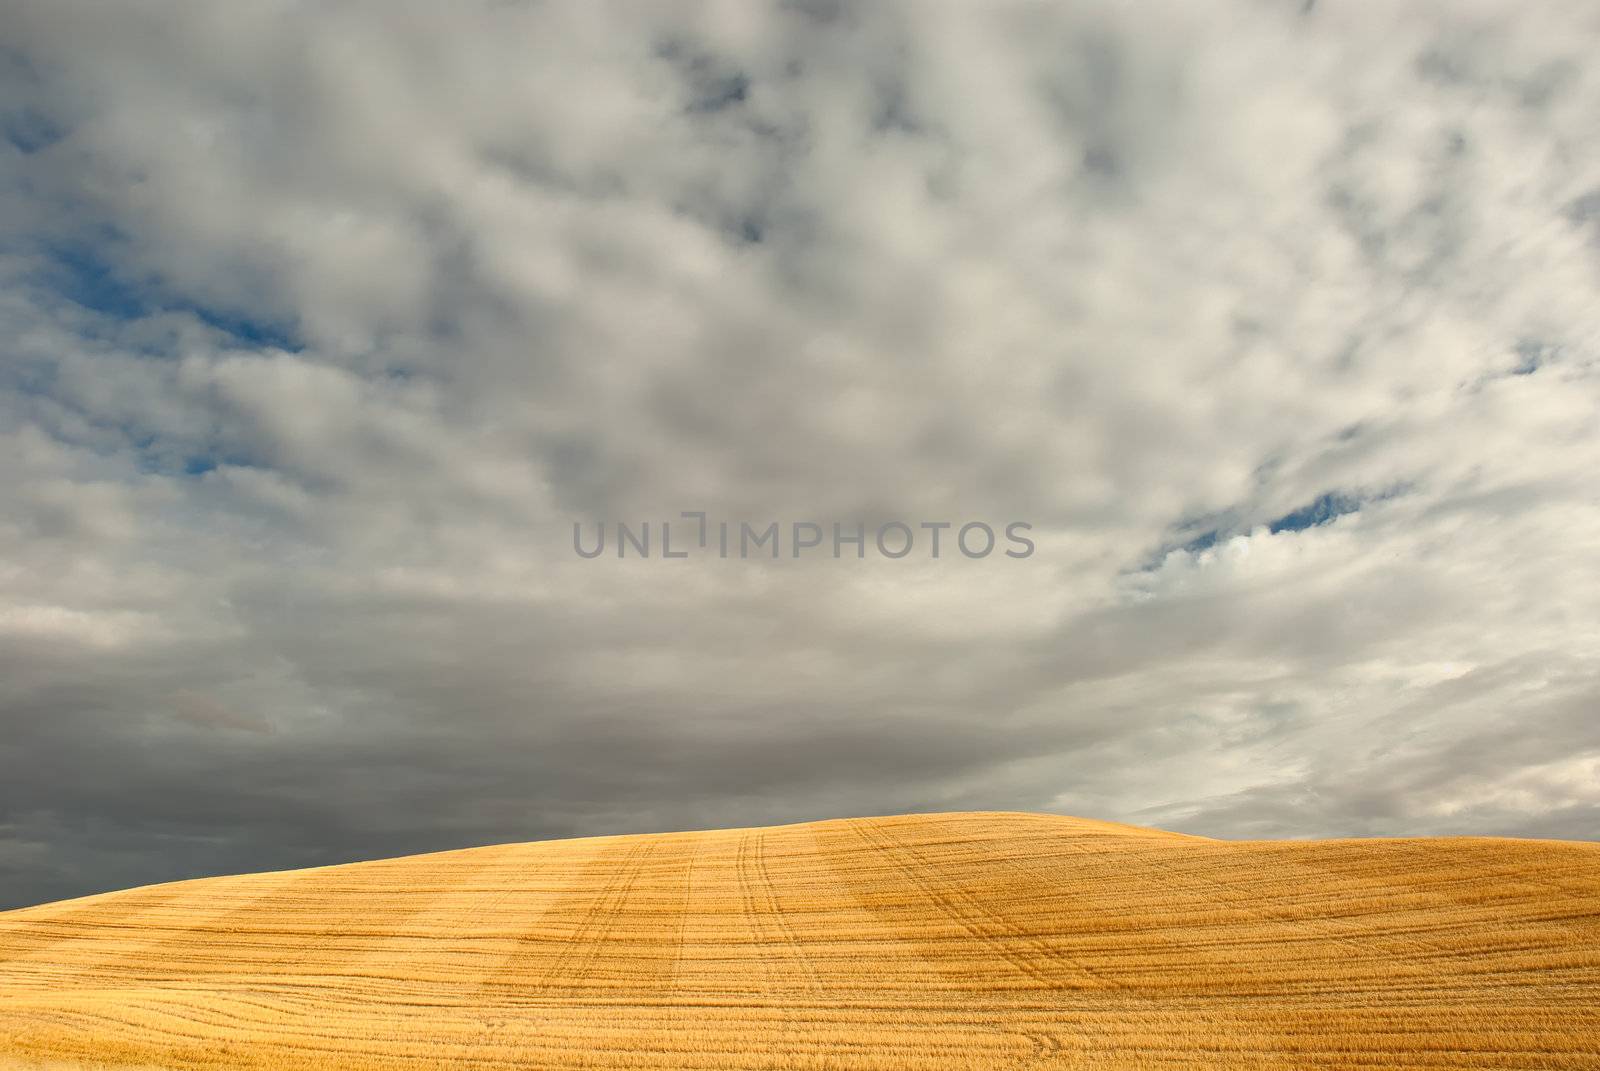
977	940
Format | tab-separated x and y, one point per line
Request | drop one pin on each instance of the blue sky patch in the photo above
1214	528
28	131
1531	356
88	279
1325	509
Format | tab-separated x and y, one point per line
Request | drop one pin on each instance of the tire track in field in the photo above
638	958
753	912
747	899
798	951
1104	894
531	967
982	921
767	948
681	941
971	914
966	908
962	1008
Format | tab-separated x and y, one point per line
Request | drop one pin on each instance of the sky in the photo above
322	325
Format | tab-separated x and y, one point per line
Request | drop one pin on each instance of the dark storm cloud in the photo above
321	328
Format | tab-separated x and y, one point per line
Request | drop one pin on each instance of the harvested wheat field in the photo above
938	941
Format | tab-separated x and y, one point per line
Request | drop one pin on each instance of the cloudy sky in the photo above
321	325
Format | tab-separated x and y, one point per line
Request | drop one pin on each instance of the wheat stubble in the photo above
974	940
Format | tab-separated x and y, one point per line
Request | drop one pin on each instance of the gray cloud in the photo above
321	327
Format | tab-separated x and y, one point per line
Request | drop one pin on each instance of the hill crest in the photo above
962	939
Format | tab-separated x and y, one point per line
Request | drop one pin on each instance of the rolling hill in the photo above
973	940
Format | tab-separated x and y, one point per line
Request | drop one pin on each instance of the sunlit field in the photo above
944	941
